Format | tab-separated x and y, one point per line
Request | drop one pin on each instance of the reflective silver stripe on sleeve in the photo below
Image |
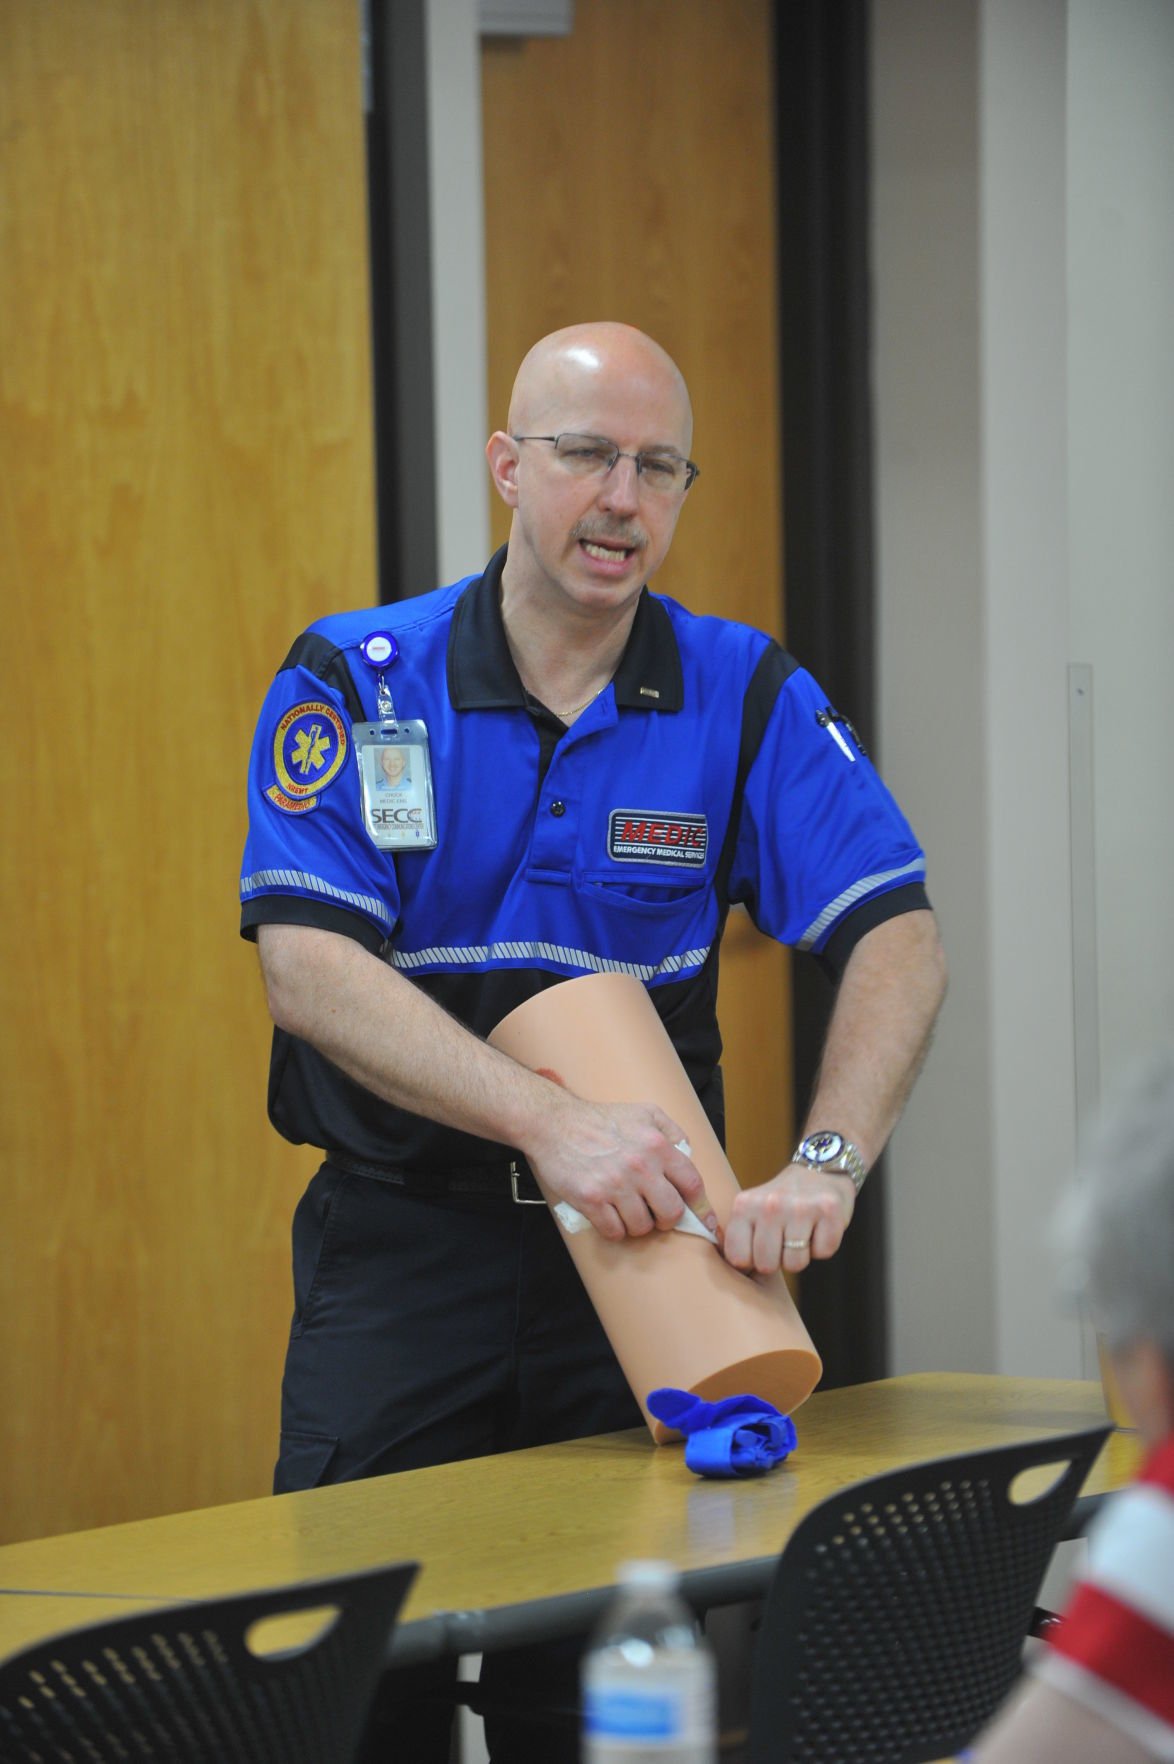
850	896
481	955
262	881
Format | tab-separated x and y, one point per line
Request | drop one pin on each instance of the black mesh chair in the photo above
185	1684
895	1622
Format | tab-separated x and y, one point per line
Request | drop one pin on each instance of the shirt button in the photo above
558	806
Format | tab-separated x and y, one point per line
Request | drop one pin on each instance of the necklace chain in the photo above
576	708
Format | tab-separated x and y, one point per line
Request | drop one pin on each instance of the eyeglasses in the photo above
591	456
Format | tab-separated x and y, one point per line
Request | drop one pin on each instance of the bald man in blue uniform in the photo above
610	773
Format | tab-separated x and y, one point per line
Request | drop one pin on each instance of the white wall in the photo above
926	367
1023	302
457	226
1023	236
1121	481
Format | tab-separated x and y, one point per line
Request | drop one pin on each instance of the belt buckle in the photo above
521	1200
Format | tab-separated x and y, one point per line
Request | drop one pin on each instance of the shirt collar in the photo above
481	671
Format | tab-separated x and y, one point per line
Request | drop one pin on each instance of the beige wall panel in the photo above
186	479
629	173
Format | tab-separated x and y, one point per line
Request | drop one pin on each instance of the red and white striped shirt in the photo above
1114	1652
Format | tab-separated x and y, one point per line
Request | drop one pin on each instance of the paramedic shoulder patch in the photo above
309	747
642	836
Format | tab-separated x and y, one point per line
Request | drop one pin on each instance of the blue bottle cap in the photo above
379	650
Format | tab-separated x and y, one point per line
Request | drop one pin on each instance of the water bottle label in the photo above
615	1714
665	1712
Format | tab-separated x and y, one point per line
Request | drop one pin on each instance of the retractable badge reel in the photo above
395	767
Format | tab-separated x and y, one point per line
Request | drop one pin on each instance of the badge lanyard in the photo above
395	766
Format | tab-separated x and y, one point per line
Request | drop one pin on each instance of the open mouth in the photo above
607	551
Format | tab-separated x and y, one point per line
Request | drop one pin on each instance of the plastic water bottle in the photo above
649	1680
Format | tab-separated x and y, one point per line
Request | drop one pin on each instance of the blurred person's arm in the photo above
1040	1725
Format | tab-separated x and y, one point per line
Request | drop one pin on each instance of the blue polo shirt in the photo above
711	770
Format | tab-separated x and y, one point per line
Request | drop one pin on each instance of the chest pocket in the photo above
654	892
646	891
659	860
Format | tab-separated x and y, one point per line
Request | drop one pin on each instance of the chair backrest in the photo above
895	1621
185	1684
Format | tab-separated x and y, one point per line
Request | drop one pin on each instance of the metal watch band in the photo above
846	1162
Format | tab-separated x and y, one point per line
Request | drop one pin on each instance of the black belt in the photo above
508	1181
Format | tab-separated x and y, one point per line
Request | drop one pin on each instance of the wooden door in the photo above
186	479
629	173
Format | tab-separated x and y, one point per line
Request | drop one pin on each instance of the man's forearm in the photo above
617	1163
889	998
390	1037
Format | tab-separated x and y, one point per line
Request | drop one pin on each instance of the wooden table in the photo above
526	1544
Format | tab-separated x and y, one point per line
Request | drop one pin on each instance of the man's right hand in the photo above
619	1164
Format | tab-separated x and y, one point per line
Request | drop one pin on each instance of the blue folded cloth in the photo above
740	1436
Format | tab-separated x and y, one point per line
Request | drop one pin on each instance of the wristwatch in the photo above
833	1153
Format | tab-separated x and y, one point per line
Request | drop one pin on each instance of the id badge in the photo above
395	774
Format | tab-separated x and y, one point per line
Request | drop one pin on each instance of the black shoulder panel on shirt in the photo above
319	656
773	670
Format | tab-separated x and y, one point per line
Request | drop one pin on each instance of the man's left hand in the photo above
799	1216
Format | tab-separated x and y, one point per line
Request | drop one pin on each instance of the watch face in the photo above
822	1148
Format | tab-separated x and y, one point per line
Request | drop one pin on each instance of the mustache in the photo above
615	532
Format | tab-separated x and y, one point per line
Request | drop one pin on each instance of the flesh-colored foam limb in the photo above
676	1313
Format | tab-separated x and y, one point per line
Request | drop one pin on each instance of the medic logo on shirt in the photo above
309	748
642	836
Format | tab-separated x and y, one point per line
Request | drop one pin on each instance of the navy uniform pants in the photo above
427	1330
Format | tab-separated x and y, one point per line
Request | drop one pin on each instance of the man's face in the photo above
392	761
595	540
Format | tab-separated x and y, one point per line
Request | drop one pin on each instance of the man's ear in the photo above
1147	1385
502	454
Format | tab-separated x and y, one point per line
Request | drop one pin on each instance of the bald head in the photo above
586	534
599	367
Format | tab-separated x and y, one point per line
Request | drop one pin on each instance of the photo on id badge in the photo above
395	797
